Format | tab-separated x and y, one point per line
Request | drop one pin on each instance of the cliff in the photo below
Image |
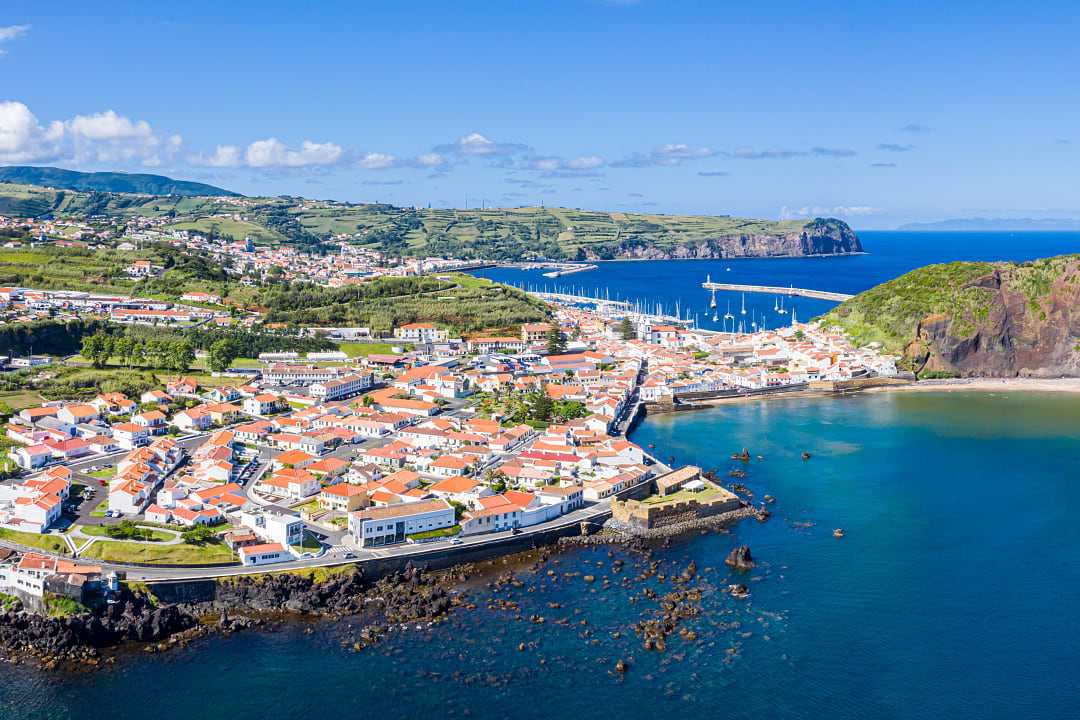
975	319
819	237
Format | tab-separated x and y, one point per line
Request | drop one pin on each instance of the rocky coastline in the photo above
154	619
821	237
137	618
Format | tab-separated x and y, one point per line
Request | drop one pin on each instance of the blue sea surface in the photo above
952	595
888	255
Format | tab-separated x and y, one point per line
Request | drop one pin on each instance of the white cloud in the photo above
834	211
477	145
430	159
108	137
547	163
274	153
682	151
11	32
22	137
585	162
105	137
668	154
223	156
377	161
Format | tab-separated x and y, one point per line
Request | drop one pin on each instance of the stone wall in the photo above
638	516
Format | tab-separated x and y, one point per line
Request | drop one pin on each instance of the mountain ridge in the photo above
118	182
995	225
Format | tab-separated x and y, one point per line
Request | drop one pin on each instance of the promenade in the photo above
778	290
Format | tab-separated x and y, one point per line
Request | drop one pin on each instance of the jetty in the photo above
777	290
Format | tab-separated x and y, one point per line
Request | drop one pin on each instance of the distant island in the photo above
974	319
996	224
523	233
113	182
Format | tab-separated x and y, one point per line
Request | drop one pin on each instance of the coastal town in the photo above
325	458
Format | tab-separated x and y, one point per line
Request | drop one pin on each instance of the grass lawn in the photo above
442	532
99	511
309	544
104	473
99	531
21	399
359	349
181	554
49	543
708	493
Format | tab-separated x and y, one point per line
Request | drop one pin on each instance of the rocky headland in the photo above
975	319
818	237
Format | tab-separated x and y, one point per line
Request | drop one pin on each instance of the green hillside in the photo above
491	234
999	319
889	313
116	182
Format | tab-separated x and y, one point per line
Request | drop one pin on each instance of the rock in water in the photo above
740	558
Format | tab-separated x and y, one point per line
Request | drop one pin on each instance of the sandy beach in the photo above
1070	385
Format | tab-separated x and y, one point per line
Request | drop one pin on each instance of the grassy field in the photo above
461	304
118	551
49	543
358	349
21	399
99	531
237	229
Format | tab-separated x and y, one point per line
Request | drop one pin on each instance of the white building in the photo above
274	527
377	526
344	387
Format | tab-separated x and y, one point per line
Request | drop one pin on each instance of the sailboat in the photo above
743	311
729	316
781	310
715	317
712	303
775	307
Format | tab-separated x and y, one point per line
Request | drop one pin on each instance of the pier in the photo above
776	290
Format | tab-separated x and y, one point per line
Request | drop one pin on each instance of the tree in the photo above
97	348
180	356
459	509
221	355
540	407
626	329
198	535
556	343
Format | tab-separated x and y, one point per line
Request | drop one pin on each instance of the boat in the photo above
781	309
712	303
743	311
715	317
838	533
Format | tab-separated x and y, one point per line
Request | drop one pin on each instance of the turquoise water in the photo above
952	595
889	254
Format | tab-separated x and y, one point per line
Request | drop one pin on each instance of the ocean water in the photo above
953	594
889	254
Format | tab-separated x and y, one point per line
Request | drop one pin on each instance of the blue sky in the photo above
879	112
